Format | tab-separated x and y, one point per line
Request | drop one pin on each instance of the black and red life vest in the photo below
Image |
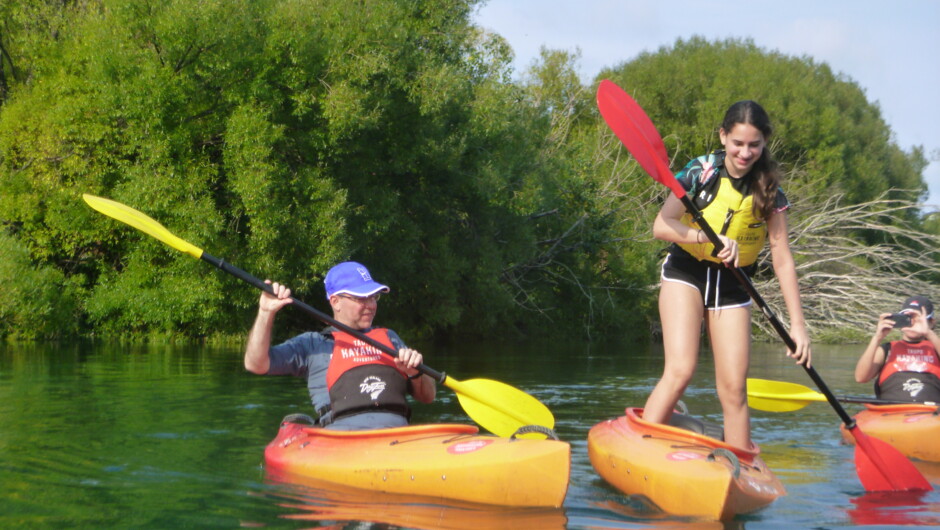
911	372
361	378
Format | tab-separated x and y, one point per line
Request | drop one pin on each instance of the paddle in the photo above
780	396
496	406
880	467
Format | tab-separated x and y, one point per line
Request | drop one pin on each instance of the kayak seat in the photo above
710	429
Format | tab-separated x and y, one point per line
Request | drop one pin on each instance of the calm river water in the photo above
124	436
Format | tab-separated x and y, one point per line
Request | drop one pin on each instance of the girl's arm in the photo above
785	269
669	227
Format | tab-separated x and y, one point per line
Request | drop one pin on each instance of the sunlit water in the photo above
172	436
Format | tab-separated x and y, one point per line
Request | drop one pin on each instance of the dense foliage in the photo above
287	135
824	127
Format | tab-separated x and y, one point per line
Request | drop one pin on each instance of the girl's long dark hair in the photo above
766	171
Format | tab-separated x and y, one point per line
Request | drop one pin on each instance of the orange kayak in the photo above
682	472
442	461
913	429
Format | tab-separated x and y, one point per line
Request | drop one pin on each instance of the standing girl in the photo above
738	191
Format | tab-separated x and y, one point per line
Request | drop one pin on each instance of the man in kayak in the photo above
353	385
906	369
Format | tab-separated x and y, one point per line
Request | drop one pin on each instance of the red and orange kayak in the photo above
682	472
913	429
442	461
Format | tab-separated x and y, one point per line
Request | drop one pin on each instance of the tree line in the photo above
288	135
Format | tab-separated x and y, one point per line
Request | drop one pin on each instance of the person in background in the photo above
352	384
738	191
906	369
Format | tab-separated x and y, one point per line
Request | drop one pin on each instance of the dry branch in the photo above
846	282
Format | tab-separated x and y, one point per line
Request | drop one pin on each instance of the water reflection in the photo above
930	470
113	436
333	506
329	503
894	508
651	517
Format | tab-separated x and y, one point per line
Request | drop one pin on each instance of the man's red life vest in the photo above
361	378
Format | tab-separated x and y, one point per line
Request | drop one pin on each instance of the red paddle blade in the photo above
881	467
624	117
636	113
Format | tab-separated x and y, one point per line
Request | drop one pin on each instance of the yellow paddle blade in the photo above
500	408
140	221
779	396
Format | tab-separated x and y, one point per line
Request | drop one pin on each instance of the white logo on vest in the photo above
914	386
373	386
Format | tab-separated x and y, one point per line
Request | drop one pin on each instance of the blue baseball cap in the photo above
351	278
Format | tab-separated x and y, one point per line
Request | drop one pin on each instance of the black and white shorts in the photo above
716	283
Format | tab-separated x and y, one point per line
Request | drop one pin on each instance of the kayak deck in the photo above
913	429
682	472
440	461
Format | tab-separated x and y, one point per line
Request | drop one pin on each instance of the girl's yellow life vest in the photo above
730	214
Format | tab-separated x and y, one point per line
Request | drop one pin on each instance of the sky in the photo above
891	49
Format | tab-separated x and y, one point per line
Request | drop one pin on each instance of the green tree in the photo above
287	135
590	273
835	148
824	125
26	27
284	136
35	302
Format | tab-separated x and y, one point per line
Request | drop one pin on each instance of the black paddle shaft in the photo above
319	315
774	321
